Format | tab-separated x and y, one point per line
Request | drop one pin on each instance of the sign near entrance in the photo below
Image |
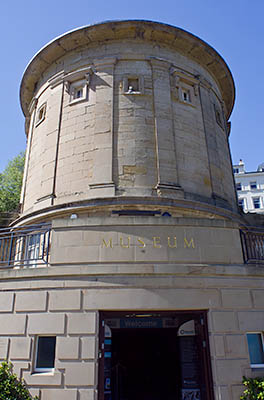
141	323
158	356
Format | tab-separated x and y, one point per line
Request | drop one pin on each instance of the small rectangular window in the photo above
255	348
78	91
186	96
133	85
253	185
241	202
238	186
41	114
256	202
45	353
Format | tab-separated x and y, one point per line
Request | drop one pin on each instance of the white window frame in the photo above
238	186
262	340
254	183
48	369
74	87
41	114
259	199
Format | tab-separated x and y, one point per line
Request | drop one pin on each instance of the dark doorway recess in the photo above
154	356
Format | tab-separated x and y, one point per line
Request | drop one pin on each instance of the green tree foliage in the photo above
10	184
12	388
254	389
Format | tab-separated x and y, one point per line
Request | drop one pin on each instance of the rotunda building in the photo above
130	272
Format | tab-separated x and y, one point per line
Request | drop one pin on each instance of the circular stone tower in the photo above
129	217
133	113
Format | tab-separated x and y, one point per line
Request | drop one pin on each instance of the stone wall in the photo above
149	142
67	307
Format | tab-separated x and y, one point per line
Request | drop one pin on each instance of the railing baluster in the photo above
253	246
10	248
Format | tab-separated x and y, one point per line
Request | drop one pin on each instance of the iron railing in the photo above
253	246
27	246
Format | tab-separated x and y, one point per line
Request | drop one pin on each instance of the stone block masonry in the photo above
75	324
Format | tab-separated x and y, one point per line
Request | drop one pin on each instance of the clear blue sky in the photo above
235	28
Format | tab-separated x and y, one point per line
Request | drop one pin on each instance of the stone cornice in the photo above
117	203
176	38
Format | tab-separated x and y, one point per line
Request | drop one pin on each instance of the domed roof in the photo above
179	39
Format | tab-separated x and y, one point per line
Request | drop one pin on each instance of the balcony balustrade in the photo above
26	246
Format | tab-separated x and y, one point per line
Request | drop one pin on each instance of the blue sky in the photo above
235	28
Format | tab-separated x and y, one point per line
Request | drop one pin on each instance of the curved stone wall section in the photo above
134	141
191	149
127	118
216	134
41	162
76	144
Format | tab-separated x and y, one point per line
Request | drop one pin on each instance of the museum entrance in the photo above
154	356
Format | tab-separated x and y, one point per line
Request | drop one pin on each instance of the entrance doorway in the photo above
154	356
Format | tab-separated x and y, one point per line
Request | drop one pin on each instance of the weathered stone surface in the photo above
59	394
81	323
250	321
6	301
236	298
3	348
236	346
88	347
41	324
87	394
65	300
31	301
224	321
79	374
12	324
67	348
20	348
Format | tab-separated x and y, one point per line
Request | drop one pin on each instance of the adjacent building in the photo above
130	272
250	188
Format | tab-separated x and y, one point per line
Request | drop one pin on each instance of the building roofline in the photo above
248	173
179	39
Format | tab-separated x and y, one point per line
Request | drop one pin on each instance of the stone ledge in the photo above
135	269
